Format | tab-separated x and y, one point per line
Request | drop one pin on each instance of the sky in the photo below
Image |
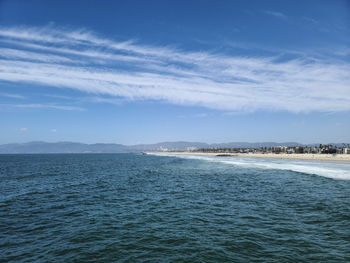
135	72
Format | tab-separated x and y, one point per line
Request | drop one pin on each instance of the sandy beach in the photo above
316	157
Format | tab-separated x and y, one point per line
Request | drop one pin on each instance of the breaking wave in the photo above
332	170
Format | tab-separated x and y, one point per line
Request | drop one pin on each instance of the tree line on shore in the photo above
321	149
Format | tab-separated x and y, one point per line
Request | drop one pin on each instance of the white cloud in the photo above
275	14
83	61
23	129
200	115
54	106
11	95
311	20
53	130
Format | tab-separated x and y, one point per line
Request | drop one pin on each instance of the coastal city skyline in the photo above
175	71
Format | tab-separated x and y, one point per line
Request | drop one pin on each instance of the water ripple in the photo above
134	208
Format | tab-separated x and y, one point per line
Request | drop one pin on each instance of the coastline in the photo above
293	156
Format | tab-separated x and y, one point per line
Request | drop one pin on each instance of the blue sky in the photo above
149	71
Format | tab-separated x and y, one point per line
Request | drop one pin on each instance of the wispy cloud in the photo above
81	60
56	96
11	95
197	115
276	14
200	115
99	99
53	106
53	130
23	129
310	20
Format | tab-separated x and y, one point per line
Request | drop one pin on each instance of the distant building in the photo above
162	149
322	149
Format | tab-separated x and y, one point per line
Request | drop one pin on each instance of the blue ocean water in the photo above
146	208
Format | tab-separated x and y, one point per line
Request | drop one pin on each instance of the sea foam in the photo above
334	170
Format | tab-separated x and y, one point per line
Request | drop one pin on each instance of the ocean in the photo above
148	208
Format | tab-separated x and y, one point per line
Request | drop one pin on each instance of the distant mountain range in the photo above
74	147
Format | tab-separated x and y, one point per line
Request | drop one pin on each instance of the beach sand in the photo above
316	157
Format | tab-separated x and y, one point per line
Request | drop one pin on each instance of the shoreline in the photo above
293	156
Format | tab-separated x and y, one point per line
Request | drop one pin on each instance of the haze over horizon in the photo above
237	71
39	147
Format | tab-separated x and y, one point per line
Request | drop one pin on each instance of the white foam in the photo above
332	170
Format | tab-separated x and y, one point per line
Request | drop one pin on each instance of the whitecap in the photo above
334	170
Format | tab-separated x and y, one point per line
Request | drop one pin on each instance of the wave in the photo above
332	170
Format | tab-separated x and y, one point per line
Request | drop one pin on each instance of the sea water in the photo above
147	208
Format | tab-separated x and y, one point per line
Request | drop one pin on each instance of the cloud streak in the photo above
81	60
275	14
11	95
53	106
